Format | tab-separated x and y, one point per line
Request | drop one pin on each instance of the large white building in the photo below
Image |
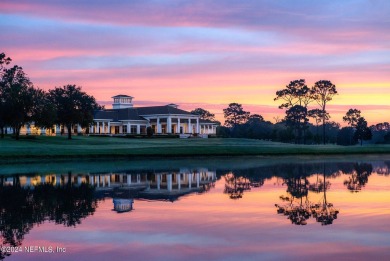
125	119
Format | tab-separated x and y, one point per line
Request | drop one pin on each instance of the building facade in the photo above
125	119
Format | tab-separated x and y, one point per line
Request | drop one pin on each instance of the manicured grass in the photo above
106	147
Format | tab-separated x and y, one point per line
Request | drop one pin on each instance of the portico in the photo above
174	124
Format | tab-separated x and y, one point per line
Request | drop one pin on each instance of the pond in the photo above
250	208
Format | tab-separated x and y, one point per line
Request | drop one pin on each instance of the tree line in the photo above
22	103
295	126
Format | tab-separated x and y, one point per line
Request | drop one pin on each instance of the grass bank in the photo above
112	147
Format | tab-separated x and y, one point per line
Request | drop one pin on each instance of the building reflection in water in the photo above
68	198
122	205
164	185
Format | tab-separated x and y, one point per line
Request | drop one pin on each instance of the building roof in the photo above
209	122
118	114
122	96
166	109
137	113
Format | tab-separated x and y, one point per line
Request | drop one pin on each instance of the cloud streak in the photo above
201	52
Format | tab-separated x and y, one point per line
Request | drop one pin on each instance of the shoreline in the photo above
85	165
92	148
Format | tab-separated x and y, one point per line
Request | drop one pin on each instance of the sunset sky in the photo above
205	53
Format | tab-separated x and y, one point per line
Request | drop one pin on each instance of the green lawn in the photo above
61	148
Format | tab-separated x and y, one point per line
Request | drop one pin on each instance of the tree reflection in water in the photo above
66	205
323	211
295	208
299	211
359	177
235	186
239	181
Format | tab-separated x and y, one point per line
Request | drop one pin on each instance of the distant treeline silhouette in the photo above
295	126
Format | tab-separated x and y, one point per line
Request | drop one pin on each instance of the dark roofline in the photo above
122	95
209	122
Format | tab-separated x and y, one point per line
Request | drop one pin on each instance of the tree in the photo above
345	136
296	118
351	117
17	95
204	114
295	93
45	113
234	115
73	106
4	60
322	92
3	111
362	131
255	119
318	116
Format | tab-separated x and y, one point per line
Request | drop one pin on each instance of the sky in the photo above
206	53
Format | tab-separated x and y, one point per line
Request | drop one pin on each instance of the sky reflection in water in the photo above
228	214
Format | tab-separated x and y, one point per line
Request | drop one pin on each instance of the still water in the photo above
201	209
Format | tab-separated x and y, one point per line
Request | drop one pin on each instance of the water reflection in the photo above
298	186
69	198
26	201
23	206
358	177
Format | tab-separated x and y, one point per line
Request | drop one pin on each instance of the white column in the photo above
169	123
128	179
178	126
79	180
120	129
103	130
197	179
138	129
43	180
158	182
189	179
109	181
197	125
28	129
158	126
109	128
189	126
169	182
178	180
43	132
91	180
97	179
138	178
91	129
